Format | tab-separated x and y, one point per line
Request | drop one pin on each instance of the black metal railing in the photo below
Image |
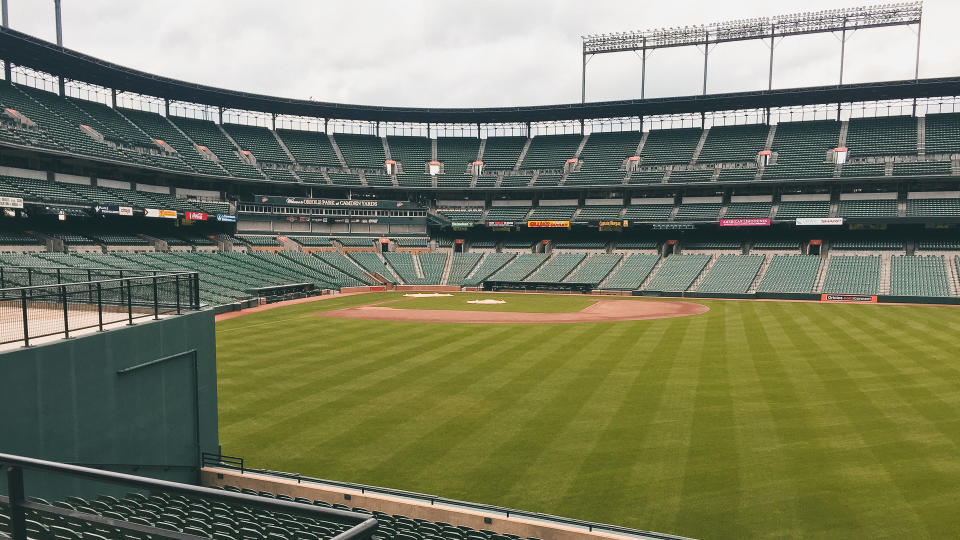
237	463
42	302
19	506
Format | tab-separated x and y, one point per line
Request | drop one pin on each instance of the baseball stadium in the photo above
232	315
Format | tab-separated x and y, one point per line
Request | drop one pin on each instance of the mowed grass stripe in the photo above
754	420
395	447
871	429
358	387
581	449
918	444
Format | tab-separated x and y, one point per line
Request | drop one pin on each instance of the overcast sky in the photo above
462	53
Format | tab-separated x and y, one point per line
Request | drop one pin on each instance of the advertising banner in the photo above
195	216
548	224
153	212
820	221
11	202
849	298
114	210
673	226
499	224
611	225
227	218
745	222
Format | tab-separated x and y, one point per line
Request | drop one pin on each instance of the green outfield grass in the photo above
754	420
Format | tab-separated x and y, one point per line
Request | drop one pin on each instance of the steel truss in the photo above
768	29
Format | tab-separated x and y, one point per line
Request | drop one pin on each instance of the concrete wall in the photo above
77	401
415	509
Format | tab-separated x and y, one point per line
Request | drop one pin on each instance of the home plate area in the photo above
600	311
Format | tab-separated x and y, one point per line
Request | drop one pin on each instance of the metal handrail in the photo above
100	281
182	292
227	463
362	526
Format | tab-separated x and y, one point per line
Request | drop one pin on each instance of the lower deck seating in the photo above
595	269
557	268
521	267
632	273
731	274
790	274
461	266
918	275
490	265
847	274
372	263
677	273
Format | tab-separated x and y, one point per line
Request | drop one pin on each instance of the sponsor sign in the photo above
673	226
819	221
11	202
849	298
227	218
114	210
611	226
499	224
195	216
153	212
461	225
548	224
745	222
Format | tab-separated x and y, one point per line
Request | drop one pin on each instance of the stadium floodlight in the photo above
758	28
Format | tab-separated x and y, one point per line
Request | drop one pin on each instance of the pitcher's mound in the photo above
601	311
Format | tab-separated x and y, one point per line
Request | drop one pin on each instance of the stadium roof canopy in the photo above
25	50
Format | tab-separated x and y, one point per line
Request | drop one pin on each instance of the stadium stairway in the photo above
446	269
653	272
952	282
767	258
885	262
703	273
821	275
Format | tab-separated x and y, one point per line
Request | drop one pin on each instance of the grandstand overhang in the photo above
25	50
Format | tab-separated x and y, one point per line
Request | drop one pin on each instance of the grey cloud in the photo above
460	52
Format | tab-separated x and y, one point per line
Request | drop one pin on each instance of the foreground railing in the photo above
238	464
42	302
361	526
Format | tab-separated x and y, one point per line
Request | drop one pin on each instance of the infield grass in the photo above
523	303
753	420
